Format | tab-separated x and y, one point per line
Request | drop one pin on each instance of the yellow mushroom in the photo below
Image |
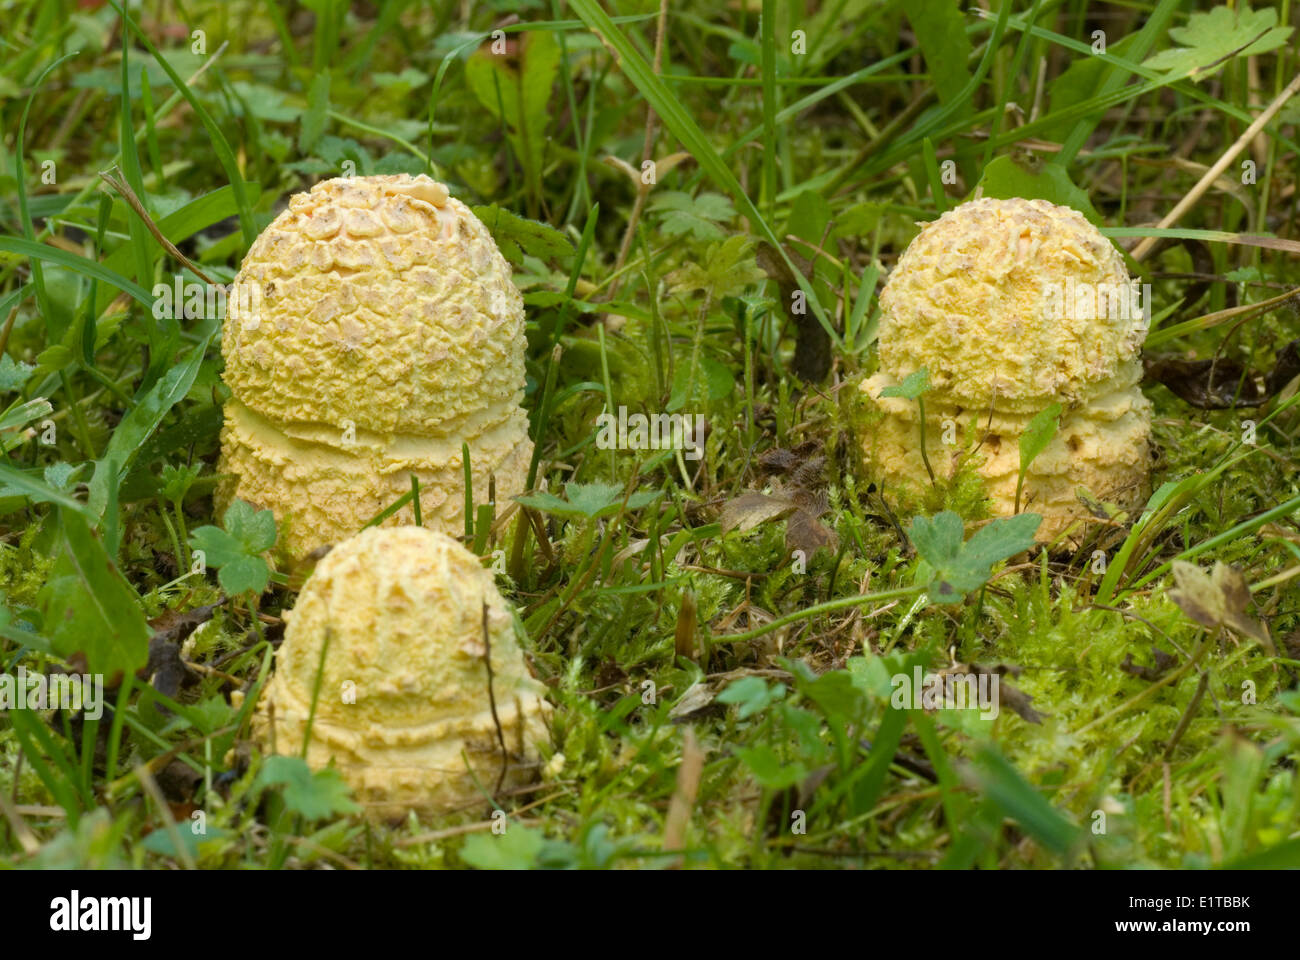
1011	306
372	329
392	623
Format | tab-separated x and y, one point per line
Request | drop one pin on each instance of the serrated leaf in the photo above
913	385
236	552
517	235
1211	39
314	795
725	270
957	567
13	373
589	500
699	216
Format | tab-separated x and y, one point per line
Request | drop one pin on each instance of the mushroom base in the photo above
435	769
324	490
1102	446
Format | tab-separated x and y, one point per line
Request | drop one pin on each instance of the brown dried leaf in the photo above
1218	598
751	508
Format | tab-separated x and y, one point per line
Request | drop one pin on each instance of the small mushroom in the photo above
390	629
372	330
990	300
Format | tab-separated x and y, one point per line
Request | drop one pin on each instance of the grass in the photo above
720	699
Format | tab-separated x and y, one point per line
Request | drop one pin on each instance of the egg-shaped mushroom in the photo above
373	329
1011	306
384	671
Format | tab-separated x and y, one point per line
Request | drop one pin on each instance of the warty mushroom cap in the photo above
398	615
373	329
968	300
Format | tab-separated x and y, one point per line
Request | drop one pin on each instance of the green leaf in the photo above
1013	796
678	120
1006	177
750	695
236	552
519	96
516	235
220	146
913	385
588	500
940	29
1042	428
725	270
959	568
516	849
697	216
13	374
136	426
88	605
313	795
313	120
767	768
1211	39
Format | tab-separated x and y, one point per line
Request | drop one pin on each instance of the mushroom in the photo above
393	628
371	331
991	300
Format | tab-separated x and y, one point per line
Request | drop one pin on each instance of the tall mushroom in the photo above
998	300
386	656
373	329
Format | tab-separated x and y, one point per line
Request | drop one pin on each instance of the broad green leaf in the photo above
314	795
1211	39
518	94
940	30
699	216
236	552
516	235
958	568
313	120
1007	177
516	849
88	605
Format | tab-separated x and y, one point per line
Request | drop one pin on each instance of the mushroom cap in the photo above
398	617
968	300
379	301
372	330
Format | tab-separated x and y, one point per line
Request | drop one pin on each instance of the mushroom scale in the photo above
403	697
372	329
969	301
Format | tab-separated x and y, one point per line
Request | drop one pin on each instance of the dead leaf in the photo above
1217	599
803	501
